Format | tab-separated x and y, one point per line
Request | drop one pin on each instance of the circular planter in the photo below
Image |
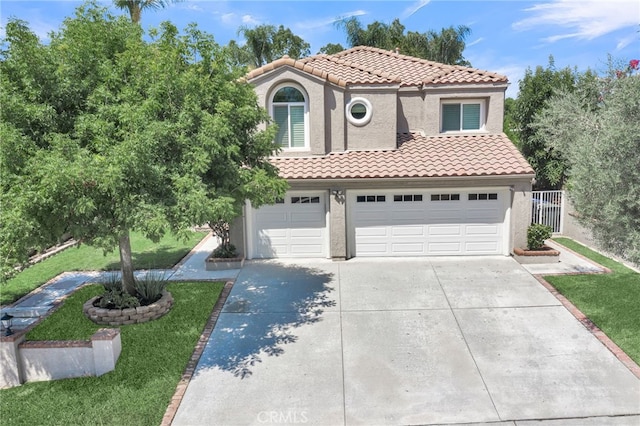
115	317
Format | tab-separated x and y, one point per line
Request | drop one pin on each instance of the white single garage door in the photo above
429	223
294	227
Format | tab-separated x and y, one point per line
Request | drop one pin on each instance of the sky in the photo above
506	36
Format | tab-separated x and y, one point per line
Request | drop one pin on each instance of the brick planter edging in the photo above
181	388
116	317
594	329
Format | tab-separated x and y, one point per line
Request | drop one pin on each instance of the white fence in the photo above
547	208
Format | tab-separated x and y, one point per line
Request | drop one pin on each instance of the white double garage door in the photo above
385	223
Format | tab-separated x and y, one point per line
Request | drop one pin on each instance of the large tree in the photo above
103	133
596	127
535	89
135	7
446	46
266	43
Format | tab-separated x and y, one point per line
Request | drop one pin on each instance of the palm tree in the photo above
135	7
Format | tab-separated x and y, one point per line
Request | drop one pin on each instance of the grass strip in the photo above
609	300
138	391
146	255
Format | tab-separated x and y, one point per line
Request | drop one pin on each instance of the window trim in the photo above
367	116
461	102
273	104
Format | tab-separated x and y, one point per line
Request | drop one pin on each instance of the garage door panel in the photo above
372	231
407	231
411	249
481	247
372	249
408	216
445	230
455	222
304	233
445	248
489	230
306	220
291	229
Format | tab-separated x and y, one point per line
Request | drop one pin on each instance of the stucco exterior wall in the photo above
380	132
520	212
411	110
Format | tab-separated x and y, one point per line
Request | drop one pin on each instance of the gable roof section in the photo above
370	65
416	157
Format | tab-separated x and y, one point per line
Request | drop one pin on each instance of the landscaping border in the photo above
181	388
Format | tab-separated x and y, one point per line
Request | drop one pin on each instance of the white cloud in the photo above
476	41
414	8
228	18
248	19
323	22
624	42
586	19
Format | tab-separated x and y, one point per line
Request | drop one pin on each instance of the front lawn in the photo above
146	255
154	356
609	300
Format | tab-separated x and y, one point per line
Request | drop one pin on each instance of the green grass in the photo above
138	391
609	300
146	255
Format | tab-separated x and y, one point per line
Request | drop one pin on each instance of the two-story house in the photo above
387	155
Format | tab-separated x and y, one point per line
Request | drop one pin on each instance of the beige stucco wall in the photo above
380	132
520	212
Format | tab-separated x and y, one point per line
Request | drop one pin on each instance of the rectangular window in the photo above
415	197
371	198
461	116
445	197
305	200
297	126
281	118
450	117
483	196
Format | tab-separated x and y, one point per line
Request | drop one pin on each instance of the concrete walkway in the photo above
38	303
403	341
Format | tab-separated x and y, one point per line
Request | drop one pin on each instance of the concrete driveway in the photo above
399	341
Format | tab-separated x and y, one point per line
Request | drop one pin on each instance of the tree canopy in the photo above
595	127
102	132
446	46
535	89
266	43
135	7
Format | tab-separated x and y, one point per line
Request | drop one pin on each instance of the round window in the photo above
359	111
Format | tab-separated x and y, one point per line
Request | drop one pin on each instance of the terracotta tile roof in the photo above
370	65
416	157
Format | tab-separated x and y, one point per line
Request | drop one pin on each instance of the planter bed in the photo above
138	315
543	255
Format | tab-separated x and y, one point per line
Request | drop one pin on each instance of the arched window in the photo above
289	108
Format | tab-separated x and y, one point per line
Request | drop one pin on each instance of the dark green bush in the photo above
112	282
150	288
225	251
536	234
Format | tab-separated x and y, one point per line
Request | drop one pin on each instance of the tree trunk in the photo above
126	264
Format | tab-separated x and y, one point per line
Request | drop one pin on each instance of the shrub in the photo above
536	234
151	287
112	282
117	299
225	251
